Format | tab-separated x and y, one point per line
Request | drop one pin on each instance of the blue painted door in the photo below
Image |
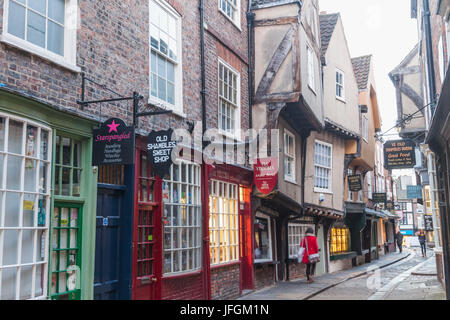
107	248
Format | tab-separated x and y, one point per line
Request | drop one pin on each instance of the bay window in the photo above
223	222
25	170
165	56
182	209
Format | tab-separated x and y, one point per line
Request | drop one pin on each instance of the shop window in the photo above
25	171
289	156
263	238
165	48
111	174
43	27
322	166
182	211
232	10
223	222
66	254
68	167
340	240
229	95
296	233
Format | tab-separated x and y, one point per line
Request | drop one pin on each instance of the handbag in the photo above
313	258
301	252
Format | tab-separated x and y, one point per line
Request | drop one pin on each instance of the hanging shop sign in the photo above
400	154
355	183
159	147
414	192
266	174
113	143
379	197
428	223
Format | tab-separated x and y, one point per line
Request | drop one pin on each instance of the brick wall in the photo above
185	288
297	271
264	276
225	282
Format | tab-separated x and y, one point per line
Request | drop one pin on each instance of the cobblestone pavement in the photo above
406	276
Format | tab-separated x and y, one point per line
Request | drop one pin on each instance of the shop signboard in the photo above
428	223
355	183
266	174
414	192
379	197
399	154
159	146
113	143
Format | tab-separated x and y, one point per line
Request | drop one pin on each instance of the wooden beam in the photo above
276	21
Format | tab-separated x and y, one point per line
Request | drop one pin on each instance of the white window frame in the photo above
330	173
263	216
178	107
69	60
237	21
237	113
219	222
365	128
342	98
292	177
311	69
369	185
195	189
349	192
295	238
46	194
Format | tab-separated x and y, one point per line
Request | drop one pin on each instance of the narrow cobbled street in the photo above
406	276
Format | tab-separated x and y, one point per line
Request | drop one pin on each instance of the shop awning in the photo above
375	213
391	215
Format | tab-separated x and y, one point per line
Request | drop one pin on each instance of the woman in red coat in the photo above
313	248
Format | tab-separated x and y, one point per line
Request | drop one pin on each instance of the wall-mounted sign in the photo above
414	192
266	174
159	147
379	197
113	143
399	154
428	223
355	183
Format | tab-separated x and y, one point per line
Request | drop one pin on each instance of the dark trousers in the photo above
400	246
310	269
423	246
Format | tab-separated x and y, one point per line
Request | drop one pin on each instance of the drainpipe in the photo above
250	20
205	235
430	60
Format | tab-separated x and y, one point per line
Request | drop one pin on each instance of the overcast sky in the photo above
383	28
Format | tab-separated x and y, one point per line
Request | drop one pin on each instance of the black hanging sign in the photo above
355	183
400	154
159	147
379	197
113	143
428	223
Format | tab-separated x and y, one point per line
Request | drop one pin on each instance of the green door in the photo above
320	269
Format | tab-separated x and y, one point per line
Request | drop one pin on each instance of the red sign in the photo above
266	174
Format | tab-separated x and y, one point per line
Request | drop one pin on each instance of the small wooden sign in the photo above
355	183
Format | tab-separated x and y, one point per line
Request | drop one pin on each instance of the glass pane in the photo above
38	5
170	93
1	171
76	183
10	241
28	210
8	288
27	247
30	175
162	89
43	177
39	284
65	182
12	209
41	246
66	151
55	40
44	145
73	217
15	137
16	20
56	10
36	29
2	134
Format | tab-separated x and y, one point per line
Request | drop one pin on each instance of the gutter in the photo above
250	21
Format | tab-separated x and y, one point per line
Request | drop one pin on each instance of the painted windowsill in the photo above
341	99
182	274
266	261
343	256
317	190
166	106
233	22
44	54
290	180
224	265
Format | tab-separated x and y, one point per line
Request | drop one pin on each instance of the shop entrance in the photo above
110	199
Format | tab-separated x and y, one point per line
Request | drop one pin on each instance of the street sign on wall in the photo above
399	154
355	183
113	143
414	192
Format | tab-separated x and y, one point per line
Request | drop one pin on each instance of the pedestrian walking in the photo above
310	253
399	237
423	242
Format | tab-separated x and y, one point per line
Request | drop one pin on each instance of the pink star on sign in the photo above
113	126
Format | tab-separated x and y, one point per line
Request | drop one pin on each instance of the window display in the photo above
340	240
263	238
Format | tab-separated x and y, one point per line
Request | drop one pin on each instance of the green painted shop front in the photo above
47	216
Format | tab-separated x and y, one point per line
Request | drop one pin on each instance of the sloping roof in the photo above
259	4
327	24
361	66
398	70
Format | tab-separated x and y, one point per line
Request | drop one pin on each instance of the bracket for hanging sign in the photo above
136	99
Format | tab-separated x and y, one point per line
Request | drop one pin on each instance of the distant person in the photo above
399	237
423	242
311	254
